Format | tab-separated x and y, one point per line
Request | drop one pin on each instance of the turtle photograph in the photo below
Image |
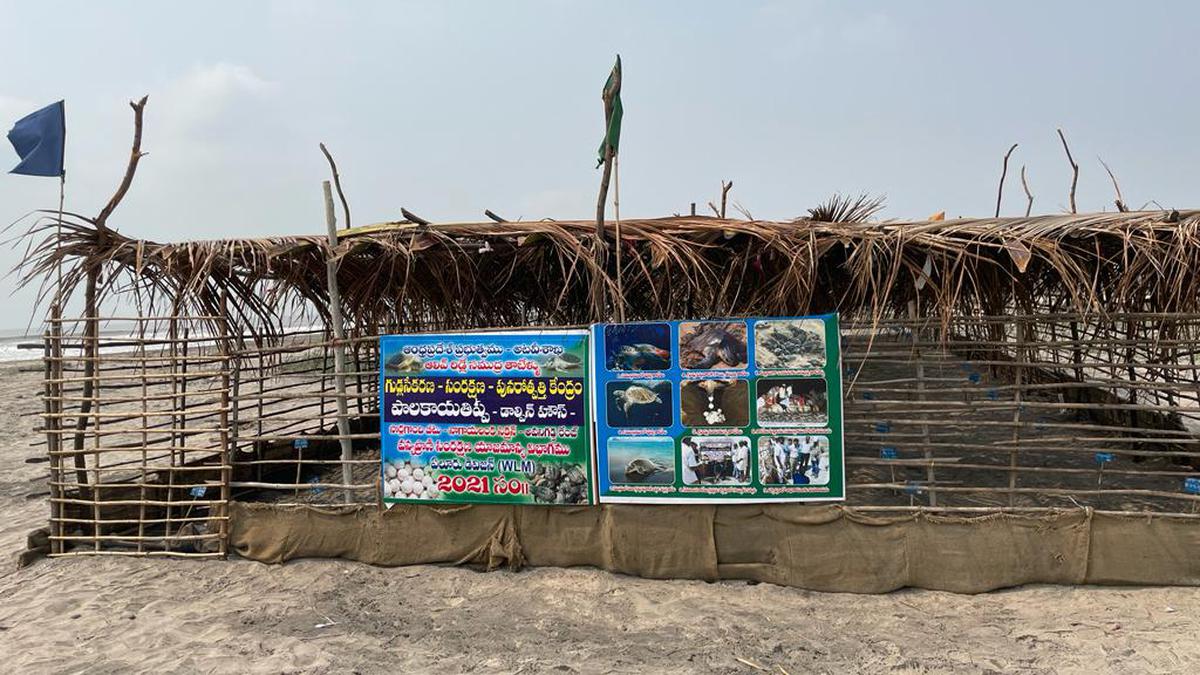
714	403
715	460
796	343
709	345
790	401
639	403
637	346
648	461
404	364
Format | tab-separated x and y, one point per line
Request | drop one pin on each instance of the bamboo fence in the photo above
1071	383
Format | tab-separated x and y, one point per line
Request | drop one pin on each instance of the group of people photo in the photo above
716	460
793	460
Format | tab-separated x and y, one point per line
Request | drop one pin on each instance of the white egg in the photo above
389	471
428	481
407	486
403	472
418	473
419	488
387	489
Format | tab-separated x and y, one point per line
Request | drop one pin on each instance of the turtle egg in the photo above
428	481
389	471
418	473
419	488
403	472
407	486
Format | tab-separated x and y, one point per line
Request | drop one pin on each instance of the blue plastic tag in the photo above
313	481
868	396
300	443
974	378
198	491
912	487
887	453
1103	457
993	395
1191	485
883	427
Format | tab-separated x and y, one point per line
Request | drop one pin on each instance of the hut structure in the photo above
1022	399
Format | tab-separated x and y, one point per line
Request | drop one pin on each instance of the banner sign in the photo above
499	417
719	411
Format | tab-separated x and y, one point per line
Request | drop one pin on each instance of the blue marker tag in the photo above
300	443
1103	457
198	491
1191	485
974	378
993	394
313	481
868	396
883	427
887	453
912	488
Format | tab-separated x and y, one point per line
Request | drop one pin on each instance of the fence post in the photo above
339	347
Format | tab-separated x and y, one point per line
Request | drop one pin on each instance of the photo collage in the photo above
719	410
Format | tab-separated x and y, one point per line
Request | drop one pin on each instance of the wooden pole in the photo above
928	450
599	300
339	335
620	300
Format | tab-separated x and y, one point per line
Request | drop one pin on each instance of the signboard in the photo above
719	411
499	417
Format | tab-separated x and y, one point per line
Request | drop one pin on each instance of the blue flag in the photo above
40	139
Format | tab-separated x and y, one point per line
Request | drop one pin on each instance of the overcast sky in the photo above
449	108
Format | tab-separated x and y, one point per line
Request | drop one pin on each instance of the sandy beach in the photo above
109	615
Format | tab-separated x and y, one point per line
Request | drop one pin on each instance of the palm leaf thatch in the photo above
403	277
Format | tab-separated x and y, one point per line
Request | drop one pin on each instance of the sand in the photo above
106	615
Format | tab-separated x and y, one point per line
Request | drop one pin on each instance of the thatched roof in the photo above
406	276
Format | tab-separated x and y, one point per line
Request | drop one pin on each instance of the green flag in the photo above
613	111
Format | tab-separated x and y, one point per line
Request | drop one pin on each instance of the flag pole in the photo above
56	308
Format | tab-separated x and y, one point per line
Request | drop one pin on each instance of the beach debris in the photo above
405	363
713	343
639	469
558	483
635	395
403	480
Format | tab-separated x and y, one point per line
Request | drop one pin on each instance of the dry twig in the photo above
1118	201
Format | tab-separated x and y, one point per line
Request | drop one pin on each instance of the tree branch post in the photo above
1028	194
1074	169
91	336
1003	173
337	183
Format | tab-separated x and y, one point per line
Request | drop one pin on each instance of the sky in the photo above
450	108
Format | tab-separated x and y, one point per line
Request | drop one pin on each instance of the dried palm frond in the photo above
846	209
403	277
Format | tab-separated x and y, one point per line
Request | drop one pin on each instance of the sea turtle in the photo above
563	362
633	395
405	363
638	470
641	356
715	343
